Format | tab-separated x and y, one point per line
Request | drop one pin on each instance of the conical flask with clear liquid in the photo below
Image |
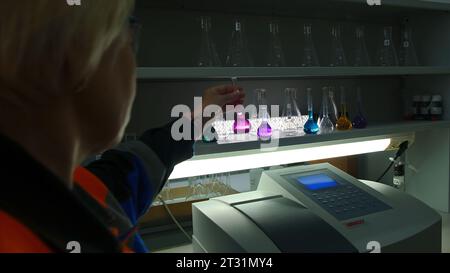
310	127
334	115
337	53
239	54
292	118
326	125
319	119
359	121
387	55
343	122
275	54
208	55
407	52
361	55
259	99
309	57
264	130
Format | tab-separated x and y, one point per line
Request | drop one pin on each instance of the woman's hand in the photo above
223	95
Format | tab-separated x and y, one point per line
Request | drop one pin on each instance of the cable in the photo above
386	171
175	220
401	150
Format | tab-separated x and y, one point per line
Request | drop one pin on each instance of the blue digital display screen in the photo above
317	182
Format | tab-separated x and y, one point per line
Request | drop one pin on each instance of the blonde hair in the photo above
48	45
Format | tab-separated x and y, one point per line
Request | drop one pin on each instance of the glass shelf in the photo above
391	129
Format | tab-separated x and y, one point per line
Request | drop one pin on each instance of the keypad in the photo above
347	201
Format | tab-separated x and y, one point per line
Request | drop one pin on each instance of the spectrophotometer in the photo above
316	209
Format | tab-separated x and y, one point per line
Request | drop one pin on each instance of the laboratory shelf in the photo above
443	5
193	73
294	6
374	131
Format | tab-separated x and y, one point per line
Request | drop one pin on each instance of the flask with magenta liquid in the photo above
241	123
310	127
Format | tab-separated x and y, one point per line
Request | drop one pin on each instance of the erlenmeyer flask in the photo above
326	126
275	54
309	50
238	54
208	55
387	55
311	127
343	122
361	56
407	53
264	130
292	118
337	54
359	121
334	116
260	99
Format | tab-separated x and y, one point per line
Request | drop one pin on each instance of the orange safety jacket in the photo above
16	237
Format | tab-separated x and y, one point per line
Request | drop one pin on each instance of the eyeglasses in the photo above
135	28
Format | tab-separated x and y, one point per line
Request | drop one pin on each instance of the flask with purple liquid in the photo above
359	121
264	130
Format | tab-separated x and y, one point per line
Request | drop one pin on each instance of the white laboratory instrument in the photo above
316	209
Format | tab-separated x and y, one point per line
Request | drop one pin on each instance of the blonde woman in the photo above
67	83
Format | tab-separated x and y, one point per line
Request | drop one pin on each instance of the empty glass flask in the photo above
407	52
238	54
309	57
208	55
337	53
360	54
387	55
275	55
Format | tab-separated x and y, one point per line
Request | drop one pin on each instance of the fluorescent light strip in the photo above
196	167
